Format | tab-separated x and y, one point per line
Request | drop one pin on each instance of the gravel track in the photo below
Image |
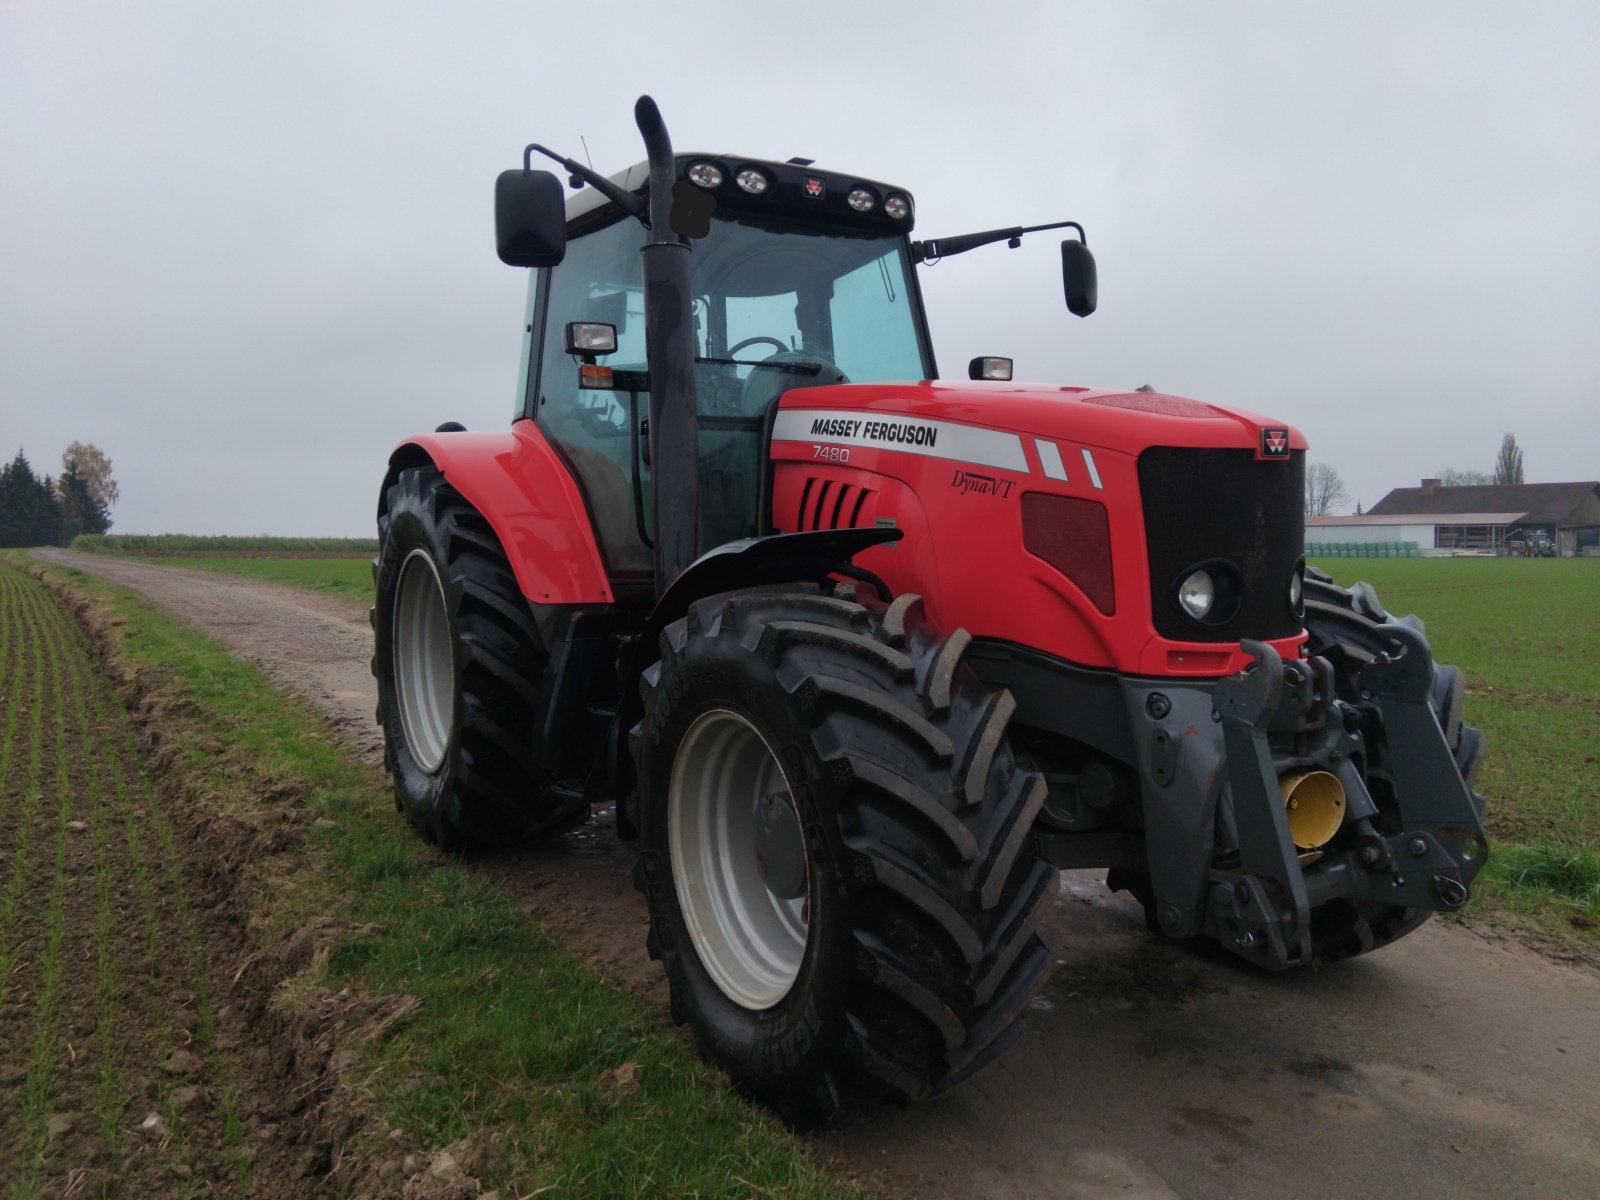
1458	1063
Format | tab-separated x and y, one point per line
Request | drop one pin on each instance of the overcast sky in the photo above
245	248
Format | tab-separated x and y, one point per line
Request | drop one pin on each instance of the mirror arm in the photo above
627	201
934	249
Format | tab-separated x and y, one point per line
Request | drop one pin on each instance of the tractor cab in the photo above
800	279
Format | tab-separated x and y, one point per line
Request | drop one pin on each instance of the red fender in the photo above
524	490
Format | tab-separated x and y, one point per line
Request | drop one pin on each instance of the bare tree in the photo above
1325	491
95	467
1508	466
1450	477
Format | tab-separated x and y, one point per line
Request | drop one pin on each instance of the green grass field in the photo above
194	543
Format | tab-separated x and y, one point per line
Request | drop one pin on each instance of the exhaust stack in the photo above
669	344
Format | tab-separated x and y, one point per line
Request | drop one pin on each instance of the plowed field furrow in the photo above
17	694
23	784
10	615
47	943
171	970
110	943
30	927
108	1079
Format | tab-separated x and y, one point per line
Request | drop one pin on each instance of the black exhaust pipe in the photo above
669	343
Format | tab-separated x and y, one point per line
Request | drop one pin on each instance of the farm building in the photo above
1405	535
1485	517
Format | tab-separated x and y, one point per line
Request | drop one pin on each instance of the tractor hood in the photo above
984	477
1001	425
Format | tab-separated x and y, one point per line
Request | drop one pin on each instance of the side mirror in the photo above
1078	277
530	219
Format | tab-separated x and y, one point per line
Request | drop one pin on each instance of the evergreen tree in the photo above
30	514
47	515
12	520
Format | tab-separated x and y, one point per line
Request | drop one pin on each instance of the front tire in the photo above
836	850
458	661
1345	628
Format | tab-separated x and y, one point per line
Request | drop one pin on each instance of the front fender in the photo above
782	558
520	485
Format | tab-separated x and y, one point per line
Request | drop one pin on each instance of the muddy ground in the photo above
1458	1063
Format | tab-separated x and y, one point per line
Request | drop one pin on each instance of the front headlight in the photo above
1297	592
1198	594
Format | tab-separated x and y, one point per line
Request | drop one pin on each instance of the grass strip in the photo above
348	578
512	1033
170	543
1553	875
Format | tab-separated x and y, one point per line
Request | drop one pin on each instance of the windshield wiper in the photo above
798	368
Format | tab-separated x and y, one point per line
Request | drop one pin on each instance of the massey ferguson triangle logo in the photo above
814	188
1275	443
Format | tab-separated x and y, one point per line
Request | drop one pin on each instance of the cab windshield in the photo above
775	308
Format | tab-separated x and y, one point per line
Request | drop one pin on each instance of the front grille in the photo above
1207	505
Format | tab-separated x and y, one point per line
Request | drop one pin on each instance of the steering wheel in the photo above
756	341
763	387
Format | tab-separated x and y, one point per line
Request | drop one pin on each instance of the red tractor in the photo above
863	656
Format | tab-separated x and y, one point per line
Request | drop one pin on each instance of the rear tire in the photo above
458	662
836	850
1344	629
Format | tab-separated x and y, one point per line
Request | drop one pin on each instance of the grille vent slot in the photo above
830	504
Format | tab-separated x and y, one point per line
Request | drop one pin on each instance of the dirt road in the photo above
1452	1065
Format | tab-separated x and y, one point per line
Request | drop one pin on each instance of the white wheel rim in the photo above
750	941
424	673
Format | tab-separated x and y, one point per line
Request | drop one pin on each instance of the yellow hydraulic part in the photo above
1314	804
